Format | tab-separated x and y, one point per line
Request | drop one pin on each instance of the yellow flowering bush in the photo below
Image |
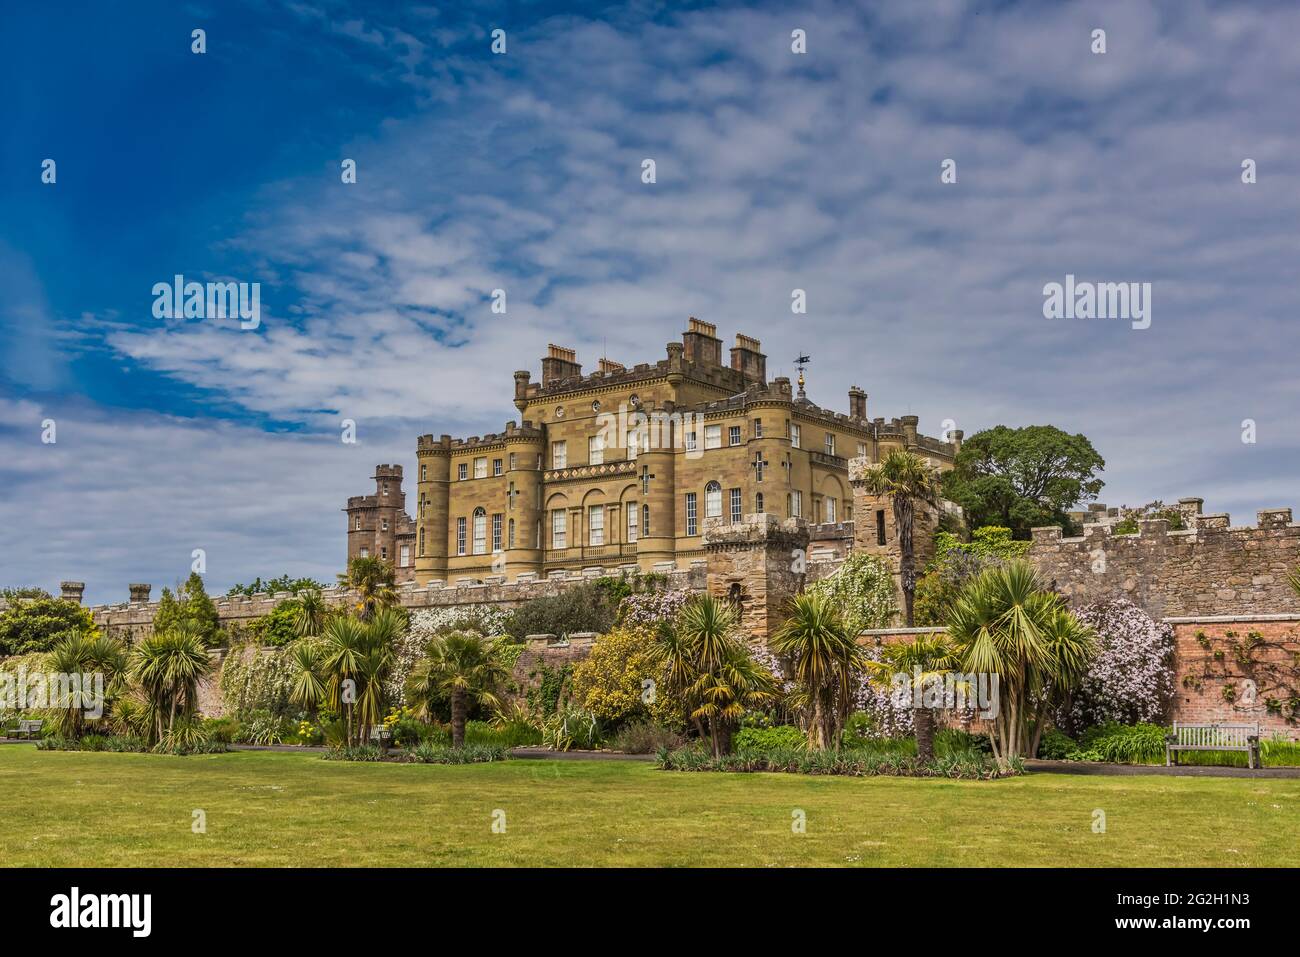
620	680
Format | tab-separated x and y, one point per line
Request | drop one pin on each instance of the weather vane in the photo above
802	360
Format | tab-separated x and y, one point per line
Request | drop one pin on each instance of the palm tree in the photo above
928	658
735	684
1007	624
826	659
462	666
310	683
168	667
907	480
372	579
352	661
85	655
309	613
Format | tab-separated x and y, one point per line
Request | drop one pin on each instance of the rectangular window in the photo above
424	473
690	513
737	506
862	450
358	524
690	442
480	466
758	428
496	531
462	471
383	524
596	525
460	535
596	450
559	528
796	504
633	443
510	460
645	519
510	534
796	434
405	555
383	553
365	552
385	488
496	466
713	436
559	455
758	467
733	435
830	444
880	526
631	522
830	510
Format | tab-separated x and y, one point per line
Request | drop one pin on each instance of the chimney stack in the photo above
139	593
857	403
560	363
747	358
701	343
72	591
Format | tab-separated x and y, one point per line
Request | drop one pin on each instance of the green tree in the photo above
1023	478
190	607
908	481
372	579
462	666
85	654
33	620
309	613
955	563
825	660
167	667
927	658
1006	623
352	660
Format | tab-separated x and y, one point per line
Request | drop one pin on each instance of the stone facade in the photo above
626	465
758	565
1211	568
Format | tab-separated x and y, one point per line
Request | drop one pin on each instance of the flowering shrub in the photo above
256	679
648	609
1131	679
486	619
888	713
863	588
610	681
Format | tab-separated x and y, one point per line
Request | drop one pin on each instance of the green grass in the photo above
264	808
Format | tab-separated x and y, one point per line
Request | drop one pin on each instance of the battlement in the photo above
513	433
1210	567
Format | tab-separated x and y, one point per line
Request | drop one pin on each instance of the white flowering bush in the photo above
255	678
1131	679
863	589
889	710
648	609
489	620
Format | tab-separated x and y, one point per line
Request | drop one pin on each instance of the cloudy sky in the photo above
522	171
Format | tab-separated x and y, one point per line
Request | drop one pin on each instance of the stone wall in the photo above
135	619
1210	568
758	565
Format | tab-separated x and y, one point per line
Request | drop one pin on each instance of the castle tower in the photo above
758	565
375	520
524	533
433	491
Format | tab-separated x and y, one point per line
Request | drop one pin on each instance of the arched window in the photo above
713	500
480	531
645	521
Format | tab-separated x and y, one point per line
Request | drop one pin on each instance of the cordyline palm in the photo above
168	667
908	481
85	656
734	684
309	613
462	666
926	659
1006	623
825	659
351	660
372	579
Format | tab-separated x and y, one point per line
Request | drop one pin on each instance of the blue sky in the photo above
476	171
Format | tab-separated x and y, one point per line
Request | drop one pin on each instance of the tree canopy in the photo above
1023	478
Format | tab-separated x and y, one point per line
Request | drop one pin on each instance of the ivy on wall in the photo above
1268	664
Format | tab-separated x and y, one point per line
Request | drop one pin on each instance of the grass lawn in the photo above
80	809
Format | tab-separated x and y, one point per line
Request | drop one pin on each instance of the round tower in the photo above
434	487
657	536
524	452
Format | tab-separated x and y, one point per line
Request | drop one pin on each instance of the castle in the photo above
623	467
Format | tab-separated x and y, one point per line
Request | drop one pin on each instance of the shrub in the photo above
225	730
649	609
470	754
34	621
277	628
582	607
425	625
769	739
956	563
1131	678
357	752
257	679
572	728
863	590
645	737
610	681
967	766
1055	745
1125	744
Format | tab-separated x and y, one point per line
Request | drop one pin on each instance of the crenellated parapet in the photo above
1209	568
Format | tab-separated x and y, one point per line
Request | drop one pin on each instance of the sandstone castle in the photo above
623	467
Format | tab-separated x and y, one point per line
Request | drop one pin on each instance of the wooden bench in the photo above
28	729
1213	737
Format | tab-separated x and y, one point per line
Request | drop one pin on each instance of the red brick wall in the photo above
1273	665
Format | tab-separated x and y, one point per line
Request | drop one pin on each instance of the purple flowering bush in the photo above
648	609
1131	679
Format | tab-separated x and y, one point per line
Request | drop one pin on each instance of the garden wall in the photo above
1212	653
1209	568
